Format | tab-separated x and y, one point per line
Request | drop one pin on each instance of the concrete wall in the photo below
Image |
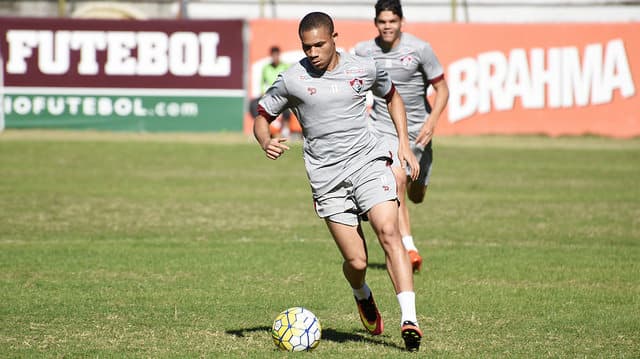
478	11
433	10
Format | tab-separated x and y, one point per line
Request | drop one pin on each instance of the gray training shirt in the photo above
332	111
412	65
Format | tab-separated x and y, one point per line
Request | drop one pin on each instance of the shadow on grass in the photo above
327	334
379	266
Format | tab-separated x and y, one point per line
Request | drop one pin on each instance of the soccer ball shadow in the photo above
328	334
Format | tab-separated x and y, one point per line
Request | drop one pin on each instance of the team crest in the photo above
357	84
406	60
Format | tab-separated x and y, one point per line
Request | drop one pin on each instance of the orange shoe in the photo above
412	336
416	260
370	316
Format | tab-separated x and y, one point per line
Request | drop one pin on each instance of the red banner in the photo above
115	53
130	75
553	79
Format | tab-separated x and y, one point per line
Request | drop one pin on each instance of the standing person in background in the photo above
348	166
413	66
268	75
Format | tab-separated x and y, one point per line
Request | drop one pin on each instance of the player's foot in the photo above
370	315
411	335
416	260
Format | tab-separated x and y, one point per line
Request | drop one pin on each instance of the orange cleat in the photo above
370	315
412	336
416	260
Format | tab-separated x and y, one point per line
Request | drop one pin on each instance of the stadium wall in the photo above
189	75
476	11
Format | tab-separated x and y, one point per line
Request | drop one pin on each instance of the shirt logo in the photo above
354	70
356	84
406	60
311	90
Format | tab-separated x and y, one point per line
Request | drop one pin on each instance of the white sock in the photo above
362	293
407	302
407	241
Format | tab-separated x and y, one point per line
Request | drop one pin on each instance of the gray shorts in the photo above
374	183
424	155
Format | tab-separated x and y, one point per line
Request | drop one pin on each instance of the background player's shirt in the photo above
270	73
332	111
412	64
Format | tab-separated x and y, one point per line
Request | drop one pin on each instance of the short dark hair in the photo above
314	20
389	5
274	49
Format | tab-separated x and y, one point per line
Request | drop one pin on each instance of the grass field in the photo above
166	246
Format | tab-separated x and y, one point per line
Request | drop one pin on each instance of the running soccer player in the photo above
347	165
413	66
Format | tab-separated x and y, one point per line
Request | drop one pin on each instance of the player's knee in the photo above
356	263
387	233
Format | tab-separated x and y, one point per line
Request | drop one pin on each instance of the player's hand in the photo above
275	147
407	158
426	133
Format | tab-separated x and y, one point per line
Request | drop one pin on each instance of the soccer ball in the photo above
296	329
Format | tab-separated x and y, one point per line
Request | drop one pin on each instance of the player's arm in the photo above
269	106
398	114
272	147
441	98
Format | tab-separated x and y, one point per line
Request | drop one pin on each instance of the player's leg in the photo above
351	243
352	246
416	190
339	210
407	238
383	220
375	193
403	211
404	221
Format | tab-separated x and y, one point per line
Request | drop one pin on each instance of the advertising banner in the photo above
552	79
152	75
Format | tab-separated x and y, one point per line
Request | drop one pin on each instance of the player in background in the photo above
413	66
348	166
267	76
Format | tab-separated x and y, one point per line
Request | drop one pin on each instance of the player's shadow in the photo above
378	266
327	334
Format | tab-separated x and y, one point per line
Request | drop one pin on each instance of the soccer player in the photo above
413	66
268	75
347	165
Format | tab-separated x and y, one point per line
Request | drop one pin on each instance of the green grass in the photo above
154	246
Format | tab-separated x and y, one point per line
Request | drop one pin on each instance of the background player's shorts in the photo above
374	183
424	155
